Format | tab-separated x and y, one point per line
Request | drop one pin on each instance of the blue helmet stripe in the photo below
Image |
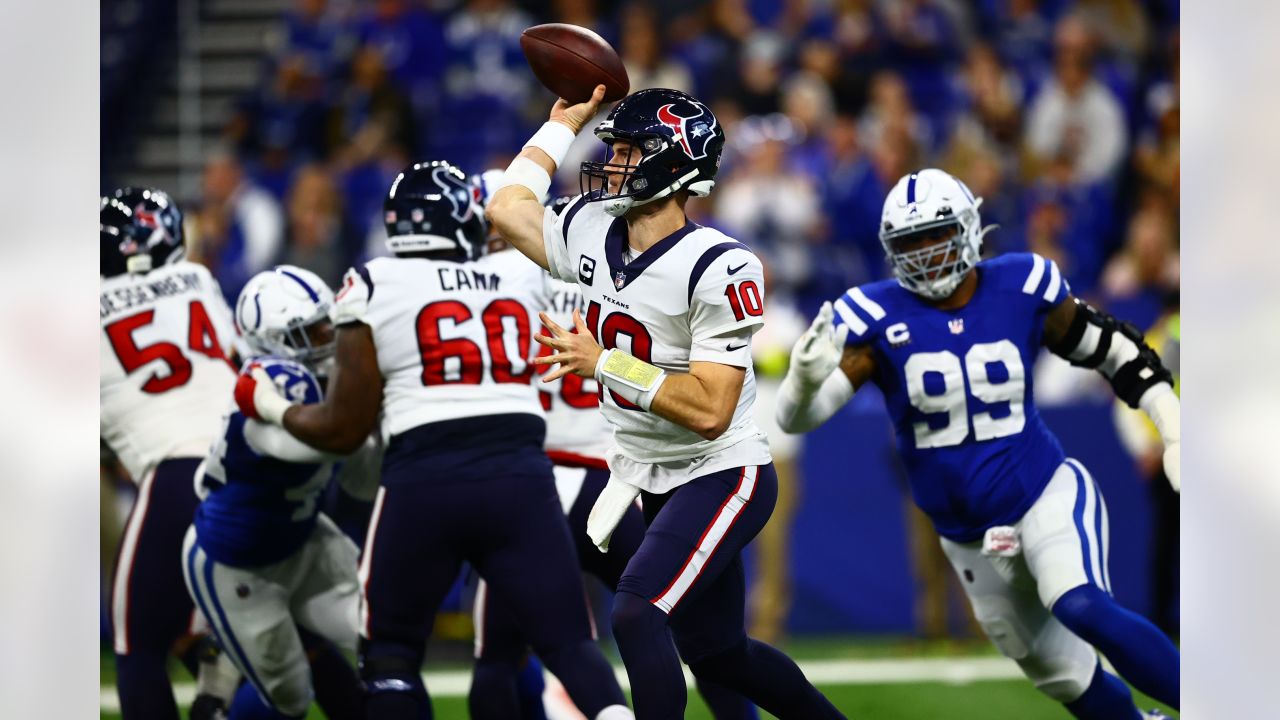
315	297
911	188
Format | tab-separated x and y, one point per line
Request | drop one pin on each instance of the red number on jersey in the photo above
435	351
616	324
492	318
201	338
471	362
745	296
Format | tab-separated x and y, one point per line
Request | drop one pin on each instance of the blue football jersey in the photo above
260	509
957	384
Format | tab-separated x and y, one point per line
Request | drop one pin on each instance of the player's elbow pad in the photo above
1116	349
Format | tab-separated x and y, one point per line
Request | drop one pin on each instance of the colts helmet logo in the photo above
457	190
692	132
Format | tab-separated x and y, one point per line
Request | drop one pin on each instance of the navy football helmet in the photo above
433	207
140	229
679	142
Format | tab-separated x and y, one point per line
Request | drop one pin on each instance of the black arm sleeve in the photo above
1116	349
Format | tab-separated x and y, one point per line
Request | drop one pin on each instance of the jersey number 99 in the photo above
952	401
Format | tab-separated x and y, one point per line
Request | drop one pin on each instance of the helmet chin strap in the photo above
617	207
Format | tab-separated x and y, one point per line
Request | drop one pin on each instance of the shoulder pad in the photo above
864	310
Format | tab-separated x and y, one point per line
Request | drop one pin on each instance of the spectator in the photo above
315	226
647	62
891	112
285	115
809	105
1075	117
370	112
240	226
312	32
1145	271
773	208
757	82
486	77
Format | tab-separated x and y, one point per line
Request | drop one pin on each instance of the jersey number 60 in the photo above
952	399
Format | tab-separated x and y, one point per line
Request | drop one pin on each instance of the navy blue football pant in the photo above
500	647
687	577
150	606
512	530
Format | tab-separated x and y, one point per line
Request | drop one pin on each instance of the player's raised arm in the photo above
1090	338
516	209
823	375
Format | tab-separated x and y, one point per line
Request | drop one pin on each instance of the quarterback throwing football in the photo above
670	311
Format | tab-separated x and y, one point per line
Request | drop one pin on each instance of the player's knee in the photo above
1081	607
291	694
633	614
1060	679
715	665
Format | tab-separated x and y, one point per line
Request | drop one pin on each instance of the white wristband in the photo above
530	174
554	139
271	408
634	380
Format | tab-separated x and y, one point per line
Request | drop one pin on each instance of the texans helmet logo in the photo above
691	132
457	190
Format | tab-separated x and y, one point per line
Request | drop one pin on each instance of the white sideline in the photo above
953	671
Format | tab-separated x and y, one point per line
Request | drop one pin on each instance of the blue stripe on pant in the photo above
218	623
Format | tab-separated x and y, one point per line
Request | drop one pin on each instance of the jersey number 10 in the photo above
952	399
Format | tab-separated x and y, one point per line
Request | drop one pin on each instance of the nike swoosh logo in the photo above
731	347
733	270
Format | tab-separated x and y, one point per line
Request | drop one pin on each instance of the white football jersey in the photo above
165	375
577	432
454	339
696	295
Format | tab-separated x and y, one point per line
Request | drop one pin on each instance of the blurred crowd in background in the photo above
1062	115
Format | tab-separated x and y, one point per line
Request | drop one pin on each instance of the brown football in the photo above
570	61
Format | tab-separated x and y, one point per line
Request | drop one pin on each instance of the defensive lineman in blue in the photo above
951	344
260	560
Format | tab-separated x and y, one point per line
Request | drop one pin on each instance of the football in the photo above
570	61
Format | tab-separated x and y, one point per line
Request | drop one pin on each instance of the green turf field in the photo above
864	678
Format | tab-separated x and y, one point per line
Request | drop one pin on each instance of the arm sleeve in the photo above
274	441
352	302
556	243
723	303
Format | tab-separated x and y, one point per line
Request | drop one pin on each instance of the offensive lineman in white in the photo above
166	337
438	341
673	306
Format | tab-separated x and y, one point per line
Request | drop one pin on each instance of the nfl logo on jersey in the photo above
619	279
956	325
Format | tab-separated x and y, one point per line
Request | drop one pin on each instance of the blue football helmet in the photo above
294	380
140	229
432	207
679	142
